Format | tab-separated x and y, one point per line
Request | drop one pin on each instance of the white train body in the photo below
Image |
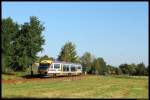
59	68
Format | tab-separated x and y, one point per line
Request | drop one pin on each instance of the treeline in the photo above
22	42
129	69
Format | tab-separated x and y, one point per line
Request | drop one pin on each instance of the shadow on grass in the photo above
8	73
34	76
29	76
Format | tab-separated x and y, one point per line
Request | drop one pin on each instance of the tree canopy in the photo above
68	53
21	43
86	61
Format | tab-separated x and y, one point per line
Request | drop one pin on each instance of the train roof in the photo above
65	62
46	61
56	61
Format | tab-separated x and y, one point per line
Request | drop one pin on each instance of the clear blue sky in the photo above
116	31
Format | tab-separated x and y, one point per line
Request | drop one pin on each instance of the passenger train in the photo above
59	68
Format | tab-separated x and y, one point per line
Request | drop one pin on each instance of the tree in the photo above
132	69
124	68
118	71
99	66
68	53
24	43
45	57
78	60
30	41
9	32
147	70
111	69
140	69
86	61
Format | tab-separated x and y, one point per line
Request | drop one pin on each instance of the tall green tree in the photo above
68	53
25	42
9	32
86	61
99	66
141	69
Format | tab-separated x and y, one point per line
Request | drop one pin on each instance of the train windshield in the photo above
43	66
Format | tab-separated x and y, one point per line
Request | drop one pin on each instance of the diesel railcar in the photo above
59	68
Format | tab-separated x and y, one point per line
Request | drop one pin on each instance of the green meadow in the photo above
84	86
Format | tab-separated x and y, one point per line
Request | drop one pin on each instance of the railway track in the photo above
57	78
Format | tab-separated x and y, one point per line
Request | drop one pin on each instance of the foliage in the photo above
147	70
86	61
141	69
118	71
99	66
124	68
68	53
111	69
133	69
21	43
45	57
9	31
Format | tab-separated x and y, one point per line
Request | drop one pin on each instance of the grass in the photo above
84	87
15	75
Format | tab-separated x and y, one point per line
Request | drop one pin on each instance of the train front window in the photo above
43	67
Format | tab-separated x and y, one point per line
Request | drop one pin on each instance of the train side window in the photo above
79	67
56	66
65	67
73	68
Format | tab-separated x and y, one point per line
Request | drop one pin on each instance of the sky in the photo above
115	31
